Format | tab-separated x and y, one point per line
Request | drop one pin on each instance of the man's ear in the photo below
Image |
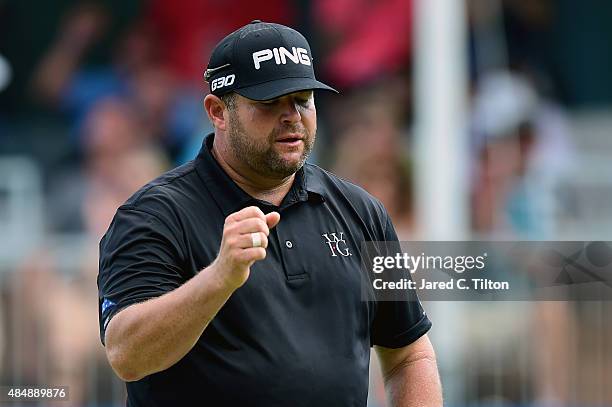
215	108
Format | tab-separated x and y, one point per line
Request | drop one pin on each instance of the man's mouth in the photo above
290	139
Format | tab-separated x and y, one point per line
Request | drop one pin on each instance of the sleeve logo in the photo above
107	305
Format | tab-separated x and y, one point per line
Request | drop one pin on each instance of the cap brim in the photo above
280	87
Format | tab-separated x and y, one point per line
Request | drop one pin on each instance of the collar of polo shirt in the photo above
231	198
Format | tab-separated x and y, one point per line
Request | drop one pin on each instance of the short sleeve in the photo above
398	323
139	259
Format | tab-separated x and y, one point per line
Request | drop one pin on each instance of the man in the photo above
234	280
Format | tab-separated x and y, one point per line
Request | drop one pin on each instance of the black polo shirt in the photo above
297	333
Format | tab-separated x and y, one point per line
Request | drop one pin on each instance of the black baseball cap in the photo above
262	61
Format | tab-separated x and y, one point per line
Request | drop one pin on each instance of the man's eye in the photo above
303	102
269	102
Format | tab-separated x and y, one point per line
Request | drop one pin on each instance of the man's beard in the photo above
262	157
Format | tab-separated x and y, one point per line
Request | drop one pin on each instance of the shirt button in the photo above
288	244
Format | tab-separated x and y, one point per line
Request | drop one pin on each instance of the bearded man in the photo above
234	280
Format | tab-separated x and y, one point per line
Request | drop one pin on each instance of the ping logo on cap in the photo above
297	56
262	61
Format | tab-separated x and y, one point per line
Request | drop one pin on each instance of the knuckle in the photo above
262	253
260	213
254	211
263	227
244	256
228	229
239	255
231	241
248	225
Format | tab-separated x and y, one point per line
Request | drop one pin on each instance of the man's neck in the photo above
262	188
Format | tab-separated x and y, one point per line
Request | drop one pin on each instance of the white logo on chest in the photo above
337	244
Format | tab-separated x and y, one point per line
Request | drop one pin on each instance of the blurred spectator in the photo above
573	353
522	145
26	332
187	30
105	195
62	326
549	39
115	170
83	26
113	131
360	49
524	150
555	352
136	74
57	343
370	153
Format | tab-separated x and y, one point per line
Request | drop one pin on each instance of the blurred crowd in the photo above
103	96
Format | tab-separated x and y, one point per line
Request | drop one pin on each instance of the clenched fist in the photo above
237	253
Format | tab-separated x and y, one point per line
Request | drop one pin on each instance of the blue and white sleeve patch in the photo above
108	307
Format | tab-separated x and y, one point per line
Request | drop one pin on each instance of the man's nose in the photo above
291	114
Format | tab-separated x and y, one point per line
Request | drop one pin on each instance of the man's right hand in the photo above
237	253
150	336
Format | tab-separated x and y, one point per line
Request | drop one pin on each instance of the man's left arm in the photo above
411	374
